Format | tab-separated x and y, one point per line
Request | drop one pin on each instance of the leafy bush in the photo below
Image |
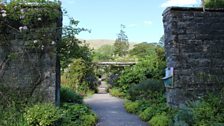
151	66
183	117
116	92
78	115
214	3
79	76
160	120
131	106
42	115
147	114
68	95
147	89
207	112
11	116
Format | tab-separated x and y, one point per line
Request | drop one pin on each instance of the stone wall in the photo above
28	68
194	46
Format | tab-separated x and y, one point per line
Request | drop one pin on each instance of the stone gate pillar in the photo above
194	48
29	65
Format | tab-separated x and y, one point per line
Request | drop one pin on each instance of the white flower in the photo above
25	27
42	47
20	28
3	11
22	17
35	41
22	11
53	42
39	19
4	15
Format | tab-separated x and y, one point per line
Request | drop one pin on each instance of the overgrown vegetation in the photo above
72	112
214	3
141	85
71	51
80	77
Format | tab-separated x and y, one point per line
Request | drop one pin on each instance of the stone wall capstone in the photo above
194	47
28	69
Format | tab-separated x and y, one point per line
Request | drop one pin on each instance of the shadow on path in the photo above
111	112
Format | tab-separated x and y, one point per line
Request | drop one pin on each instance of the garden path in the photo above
111	112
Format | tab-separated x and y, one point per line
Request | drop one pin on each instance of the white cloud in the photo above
147	23
179	3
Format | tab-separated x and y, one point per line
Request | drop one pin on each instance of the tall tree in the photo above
161	41
70	47
121	44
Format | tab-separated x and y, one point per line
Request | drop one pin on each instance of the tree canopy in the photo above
121	44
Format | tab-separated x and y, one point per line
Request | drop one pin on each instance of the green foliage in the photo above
160	120
70	47
42	115
183	117
214	3
116	92
121	44
148	89
104	53
67	95
78	115
80	76
143	49
24	14
131	106
206	112
147	114
149	67
12	116
131	76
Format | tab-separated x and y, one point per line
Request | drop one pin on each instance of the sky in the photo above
142	18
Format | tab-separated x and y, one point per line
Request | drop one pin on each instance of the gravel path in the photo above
111	112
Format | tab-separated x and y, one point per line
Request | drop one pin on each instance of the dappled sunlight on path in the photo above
111	112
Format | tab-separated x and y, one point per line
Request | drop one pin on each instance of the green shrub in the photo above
214	3
78	115
12	116
143	104
151	66
147	114
69	96
116	92
147	89
160	120
184	117
203	113
131	106
89	120
42	115
80	76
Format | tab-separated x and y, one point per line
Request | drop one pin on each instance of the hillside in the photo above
96	43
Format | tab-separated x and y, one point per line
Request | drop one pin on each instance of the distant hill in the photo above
96	43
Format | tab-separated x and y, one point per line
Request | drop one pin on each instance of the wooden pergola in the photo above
115	63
